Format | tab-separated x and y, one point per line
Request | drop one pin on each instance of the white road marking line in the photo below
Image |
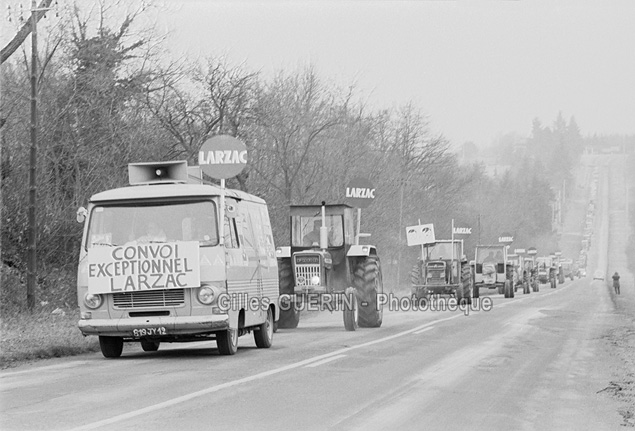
324	361
421	331
212	389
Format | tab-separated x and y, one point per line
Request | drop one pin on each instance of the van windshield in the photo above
113	225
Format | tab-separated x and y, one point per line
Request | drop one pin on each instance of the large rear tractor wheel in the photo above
111	347
526	289
351	309
368	283
508	290
289	313
466	285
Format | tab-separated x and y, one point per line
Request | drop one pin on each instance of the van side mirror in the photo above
81	215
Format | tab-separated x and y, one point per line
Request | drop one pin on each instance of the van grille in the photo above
150	298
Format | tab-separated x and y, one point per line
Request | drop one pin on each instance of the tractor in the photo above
530	282
568	268
546	271
326	267
441	270
492	270
515	261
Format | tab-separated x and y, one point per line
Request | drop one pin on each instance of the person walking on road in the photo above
616	282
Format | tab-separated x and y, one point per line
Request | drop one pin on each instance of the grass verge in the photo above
27	337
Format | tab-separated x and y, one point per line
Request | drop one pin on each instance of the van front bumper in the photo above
160	325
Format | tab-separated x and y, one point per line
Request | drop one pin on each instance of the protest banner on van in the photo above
134	267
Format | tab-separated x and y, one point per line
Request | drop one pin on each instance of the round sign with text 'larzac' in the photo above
222	157
360	193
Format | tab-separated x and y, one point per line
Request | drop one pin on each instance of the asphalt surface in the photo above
537	361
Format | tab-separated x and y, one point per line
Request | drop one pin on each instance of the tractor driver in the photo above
312	239
489	258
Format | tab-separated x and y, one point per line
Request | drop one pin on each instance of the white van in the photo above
154	269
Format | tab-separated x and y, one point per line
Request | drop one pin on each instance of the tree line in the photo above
107	97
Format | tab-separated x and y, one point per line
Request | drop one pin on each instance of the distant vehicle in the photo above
543	263
442	271
491	270
568	268
598	275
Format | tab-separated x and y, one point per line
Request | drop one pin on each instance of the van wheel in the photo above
150	345
227	341
263	336
368	282
111	347
351	309
289	315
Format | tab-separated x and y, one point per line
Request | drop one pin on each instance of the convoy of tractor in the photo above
173	258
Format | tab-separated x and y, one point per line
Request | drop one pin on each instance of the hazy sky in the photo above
477	68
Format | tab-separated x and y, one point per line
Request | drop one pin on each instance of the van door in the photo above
268	263
244	278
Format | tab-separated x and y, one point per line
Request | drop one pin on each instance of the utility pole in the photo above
32	238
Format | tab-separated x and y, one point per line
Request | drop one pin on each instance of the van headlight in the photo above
315	280
93	301
206	295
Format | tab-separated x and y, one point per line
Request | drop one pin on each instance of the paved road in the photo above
532	362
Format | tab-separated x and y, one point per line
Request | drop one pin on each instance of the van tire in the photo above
368	284
227	341
289	316
351	314
111	347
150	345
263	336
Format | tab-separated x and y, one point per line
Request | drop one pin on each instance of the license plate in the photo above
149	332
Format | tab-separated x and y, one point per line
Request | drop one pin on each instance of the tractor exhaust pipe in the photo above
324	230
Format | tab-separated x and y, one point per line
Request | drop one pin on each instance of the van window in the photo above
230	233
113	225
